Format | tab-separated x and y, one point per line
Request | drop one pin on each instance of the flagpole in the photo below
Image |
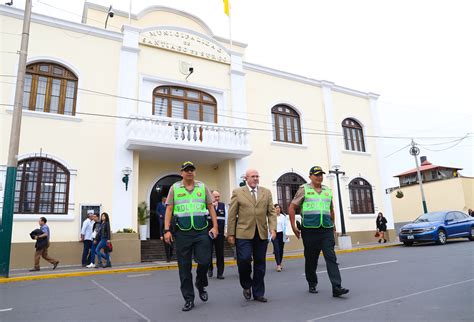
230	55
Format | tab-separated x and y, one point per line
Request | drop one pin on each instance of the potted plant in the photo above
143	215
399	194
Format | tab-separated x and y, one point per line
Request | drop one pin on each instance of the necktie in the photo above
253	195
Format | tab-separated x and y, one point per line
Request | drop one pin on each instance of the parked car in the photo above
438	227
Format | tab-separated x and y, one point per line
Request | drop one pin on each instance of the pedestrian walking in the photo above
253	205
218	242
42	238
317	230
381	223
281	237
187	201
104	241
86	237
160	213
95	239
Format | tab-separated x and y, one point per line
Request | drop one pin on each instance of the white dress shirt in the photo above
87	227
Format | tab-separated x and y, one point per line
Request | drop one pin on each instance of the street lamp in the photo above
338	172
127	171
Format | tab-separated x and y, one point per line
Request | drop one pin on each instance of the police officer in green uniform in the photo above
317	230
189	200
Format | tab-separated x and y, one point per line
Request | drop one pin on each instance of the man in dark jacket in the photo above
42	245
218	243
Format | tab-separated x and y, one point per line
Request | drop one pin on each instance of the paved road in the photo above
426	282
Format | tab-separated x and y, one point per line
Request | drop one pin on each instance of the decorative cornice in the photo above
145	11
307	80
227	41
61	24
282	74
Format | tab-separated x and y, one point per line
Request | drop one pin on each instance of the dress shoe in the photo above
261	299
34	269
210	273
220	277
312	289
55	265
188	306
108	264
338	291
202	293
247	293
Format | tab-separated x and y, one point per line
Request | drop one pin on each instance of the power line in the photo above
447	148
321	133
404	147
94	92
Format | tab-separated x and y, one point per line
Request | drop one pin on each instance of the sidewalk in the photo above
18	275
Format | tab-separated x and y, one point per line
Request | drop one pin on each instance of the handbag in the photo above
110	247
377	234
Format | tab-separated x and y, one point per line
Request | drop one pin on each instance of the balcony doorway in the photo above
160	189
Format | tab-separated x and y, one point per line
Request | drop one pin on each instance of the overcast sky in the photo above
418	55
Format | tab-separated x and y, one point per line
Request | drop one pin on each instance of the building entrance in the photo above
160	189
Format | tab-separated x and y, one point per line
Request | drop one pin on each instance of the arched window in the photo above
50	88
287	185
184	103
42	187
353	135
286	124
360	193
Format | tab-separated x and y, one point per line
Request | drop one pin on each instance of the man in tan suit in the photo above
251	216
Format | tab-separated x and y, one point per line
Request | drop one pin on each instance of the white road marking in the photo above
138	275
391	300
6	310
359	266
122	301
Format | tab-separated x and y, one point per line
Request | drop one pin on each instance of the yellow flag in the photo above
226	7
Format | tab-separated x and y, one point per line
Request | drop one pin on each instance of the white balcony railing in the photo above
186	134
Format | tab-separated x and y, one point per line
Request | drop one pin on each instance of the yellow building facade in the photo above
162	90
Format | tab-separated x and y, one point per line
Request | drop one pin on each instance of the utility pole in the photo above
414	150
6	222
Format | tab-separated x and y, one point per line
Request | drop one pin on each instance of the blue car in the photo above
438	227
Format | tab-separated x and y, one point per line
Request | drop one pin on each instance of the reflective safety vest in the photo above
316	208
190	208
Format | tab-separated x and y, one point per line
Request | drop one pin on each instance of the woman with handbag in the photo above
281	237
381	223
105	236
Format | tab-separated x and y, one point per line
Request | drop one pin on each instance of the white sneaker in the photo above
91	265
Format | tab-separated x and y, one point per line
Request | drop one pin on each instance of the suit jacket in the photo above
245	214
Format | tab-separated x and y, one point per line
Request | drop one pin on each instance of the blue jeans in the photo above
100	255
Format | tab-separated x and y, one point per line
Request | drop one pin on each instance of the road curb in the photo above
160	268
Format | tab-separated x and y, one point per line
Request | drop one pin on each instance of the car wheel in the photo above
408	243
471	236
441	240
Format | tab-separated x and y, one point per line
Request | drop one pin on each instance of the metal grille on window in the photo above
361	197
287	186
41	187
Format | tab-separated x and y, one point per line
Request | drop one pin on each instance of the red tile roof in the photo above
425	166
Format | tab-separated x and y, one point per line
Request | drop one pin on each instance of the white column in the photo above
239	107
333	155
122	210
383	175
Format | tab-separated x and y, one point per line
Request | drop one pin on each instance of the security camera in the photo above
111	12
